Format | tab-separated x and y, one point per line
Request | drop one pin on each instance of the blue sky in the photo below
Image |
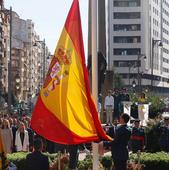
49	17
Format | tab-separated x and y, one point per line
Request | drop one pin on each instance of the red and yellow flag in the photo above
2	153
65	112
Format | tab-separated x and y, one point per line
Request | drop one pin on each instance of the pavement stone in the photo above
82	155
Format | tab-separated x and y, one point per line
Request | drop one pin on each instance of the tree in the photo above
117	79
102	64
156	104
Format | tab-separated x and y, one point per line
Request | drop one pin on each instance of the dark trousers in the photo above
120	164
73	156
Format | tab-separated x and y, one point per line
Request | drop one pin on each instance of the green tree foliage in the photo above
152	135
156	103
118	82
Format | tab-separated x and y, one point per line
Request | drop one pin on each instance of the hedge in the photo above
19	159
152	161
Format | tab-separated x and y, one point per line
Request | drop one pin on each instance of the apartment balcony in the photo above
126	45
127	9
126	21
127	33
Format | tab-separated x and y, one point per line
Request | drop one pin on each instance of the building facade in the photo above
24	59
138	42
28	56
4	49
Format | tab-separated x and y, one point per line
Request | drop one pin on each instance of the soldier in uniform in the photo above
137	140
119	144
164	137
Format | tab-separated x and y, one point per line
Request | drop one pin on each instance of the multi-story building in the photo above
28	54
26	61
138	42
4	49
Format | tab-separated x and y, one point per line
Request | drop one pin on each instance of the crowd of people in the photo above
133	138
17	135
113	106
113	103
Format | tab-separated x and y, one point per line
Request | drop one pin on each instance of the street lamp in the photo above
9	12
44	55
129	66
134	83
17	80
136	64
1	85
160	44
139	56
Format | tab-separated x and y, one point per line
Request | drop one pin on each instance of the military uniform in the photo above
164	138
3	160
119	147
137	139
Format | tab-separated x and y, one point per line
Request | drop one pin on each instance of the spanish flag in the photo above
65	112
2	155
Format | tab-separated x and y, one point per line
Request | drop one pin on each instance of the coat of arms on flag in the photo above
65	111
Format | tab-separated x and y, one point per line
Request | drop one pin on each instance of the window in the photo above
15	63
129	39
127	63
127	27
165	70
127	51
127	15
130	3
165	60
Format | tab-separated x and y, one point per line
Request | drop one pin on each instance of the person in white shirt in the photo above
99	107
22	139
109	107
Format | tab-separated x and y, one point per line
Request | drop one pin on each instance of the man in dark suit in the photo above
36	160
164	134
137	137
120	142
73	158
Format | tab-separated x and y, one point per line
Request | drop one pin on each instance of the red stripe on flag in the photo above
46	124
73	28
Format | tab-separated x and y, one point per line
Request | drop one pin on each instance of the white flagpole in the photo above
94	73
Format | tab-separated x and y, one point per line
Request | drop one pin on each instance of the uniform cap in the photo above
137	120
165	116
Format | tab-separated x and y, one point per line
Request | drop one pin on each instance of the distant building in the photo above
4	49
28	52
137	28
27	59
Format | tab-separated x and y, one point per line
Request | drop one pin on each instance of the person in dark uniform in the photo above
74	154
14	128
36	160
116	105
137	139
119	143
110	130
164	137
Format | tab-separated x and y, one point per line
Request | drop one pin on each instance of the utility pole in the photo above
94	73
9	13
43	45
10	63
159	43
44	60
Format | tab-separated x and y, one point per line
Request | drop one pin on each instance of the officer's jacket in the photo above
119	145
138	135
